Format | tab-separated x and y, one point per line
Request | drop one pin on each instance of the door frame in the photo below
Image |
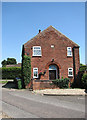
56	68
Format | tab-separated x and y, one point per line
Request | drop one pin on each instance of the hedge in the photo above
26	69
11	72
84	80
62	83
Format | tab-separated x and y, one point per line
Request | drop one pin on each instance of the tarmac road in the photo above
25	104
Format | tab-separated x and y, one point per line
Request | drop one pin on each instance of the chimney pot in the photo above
39	31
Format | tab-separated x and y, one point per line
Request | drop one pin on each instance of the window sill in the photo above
70	75
69	55
35	77
36	55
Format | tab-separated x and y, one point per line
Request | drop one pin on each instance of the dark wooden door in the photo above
52	74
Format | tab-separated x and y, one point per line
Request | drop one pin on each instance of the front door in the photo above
52	74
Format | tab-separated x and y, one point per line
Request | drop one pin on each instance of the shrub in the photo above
26	69
62	83
18	83
11	72
82	67
84	80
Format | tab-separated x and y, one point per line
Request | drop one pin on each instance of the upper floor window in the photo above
69	51
36	50
70	71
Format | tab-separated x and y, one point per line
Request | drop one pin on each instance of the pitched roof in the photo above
50	28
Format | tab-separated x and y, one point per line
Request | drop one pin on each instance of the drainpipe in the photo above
74	63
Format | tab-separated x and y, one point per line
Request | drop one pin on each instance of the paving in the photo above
27	104
4	115
61	92
6	80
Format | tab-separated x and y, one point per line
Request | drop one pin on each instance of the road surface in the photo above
25	104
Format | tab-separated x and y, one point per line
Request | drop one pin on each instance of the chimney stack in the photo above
39	30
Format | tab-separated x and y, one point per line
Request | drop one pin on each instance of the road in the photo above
25	104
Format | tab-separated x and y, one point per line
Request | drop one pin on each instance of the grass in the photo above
3	82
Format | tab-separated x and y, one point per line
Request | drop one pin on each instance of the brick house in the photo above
53	56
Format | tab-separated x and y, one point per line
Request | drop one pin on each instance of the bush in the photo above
18	83
62	83
11	72
84	80
26	69
82	67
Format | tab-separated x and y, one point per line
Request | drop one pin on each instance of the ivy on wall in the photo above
26	69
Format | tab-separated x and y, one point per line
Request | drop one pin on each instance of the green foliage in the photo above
4	63
62	83
84	80
11	72
9	61
83	67
3	82
26	69
19	84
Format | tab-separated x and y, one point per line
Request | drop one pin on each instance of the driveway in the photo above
25	104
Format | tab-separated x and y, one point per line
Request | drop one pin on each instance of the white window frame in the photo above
52	46
34	49
70	71
68	51
35	69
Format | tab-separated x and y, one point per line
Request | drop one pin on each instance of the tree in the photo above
4	63
9	61
82	67
26	70
84	80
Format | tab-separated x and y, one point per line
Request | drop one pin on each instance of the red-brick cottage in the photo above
53	56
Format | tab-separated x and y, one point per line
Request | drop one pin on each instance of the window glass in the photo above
69	51
35	72
36	51
70	71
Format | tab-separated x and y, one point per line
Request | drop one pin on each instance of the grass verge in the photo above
3	82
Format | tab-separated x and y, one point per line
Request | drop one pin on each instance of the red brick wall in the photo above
43	85
58	53
77	60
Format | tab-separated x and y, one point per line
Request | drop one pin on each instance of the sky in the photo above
22	20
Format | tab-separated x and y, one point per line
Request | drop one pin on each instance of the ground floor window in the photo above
70	71
35	72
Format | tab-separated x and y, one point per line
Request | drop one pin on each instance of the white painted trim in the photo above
68	50
52	46
34	71
39	49
70	71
